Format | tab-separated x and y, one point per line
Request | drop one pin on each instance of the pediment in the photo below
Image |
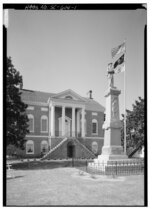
68	95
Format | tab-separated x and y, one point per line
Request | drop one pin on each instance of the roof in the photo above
42	97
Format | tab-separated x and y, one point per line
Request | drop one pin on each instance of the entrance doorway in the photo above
67	126
70	150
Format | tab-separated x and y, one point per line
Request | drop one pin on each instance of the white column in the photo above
73	121
63	120
49	130
83	127
78	122
52	124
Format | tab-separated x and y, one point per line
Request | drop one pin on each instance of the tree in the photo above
17	120
134	125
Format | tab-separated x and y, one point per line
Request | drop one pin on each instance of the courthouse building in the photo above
63	125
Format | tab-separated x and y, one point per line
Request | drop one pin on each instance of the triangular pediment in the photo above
69	95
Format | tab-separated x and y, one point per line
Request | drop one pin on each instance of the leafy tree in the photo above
134	125
17	121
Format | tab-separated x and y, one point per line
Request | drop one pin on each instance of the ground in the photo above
68	186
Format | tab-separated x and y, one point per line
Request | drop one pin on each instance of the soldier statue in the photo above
110	72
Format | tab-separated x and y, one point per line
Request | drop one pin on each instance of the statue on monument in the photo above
110	76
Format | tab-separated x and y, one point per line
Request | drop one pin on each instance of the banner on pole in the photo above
117	50
119	65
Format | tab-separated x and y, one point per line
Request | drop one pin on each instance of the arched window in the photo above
44	123
94	126
94	147
31	122
44	146
68	97
29	147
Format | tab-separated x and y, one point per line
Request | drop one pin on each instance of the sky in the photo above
56	50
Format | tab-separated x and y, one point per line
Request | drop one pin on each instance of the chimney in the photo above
90	94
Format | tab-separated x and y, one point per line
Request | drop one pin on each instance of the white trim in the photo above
86	137
31	116
36	136
44	109
68	92
30	108
54	102
36	103
94	137
94	113
30	142
85	126
52	123
83	123
70	97
78	122
44	117
62	122
73	122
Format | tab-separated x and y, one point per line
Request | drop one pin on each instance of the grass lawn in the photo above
66	186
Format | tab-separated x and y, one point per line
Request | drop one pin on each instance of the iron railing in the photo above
120	168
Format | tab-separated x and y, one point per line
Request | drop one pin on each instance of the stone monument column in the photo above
112	149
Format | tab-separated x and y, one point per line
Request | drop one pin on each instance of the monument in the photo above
112	149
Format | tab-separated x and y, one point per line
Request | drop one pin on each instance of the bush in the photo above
14	152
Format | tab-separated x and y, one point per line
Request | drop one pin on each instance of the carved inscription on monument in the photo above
115	108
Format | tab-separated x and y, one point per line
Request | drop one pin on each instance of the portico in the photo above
73	126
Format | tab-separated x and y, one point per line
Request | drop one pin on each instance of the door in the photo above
67	128
70	150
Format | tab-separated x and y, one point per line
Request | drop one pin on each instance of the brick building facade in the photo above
63	125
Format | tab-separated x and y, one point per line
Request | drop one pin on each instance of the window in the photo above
44	123
68	97
44	146
31	122
104	116
94	126
29	147
94	147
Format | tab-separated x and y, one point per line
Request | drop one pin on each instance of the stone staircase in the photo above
60	150
52	150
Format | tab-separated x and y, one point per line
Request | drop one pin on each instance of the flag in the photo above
117	50
119	65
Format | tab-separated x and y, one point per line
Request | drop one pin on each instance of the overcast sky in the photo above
59	50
